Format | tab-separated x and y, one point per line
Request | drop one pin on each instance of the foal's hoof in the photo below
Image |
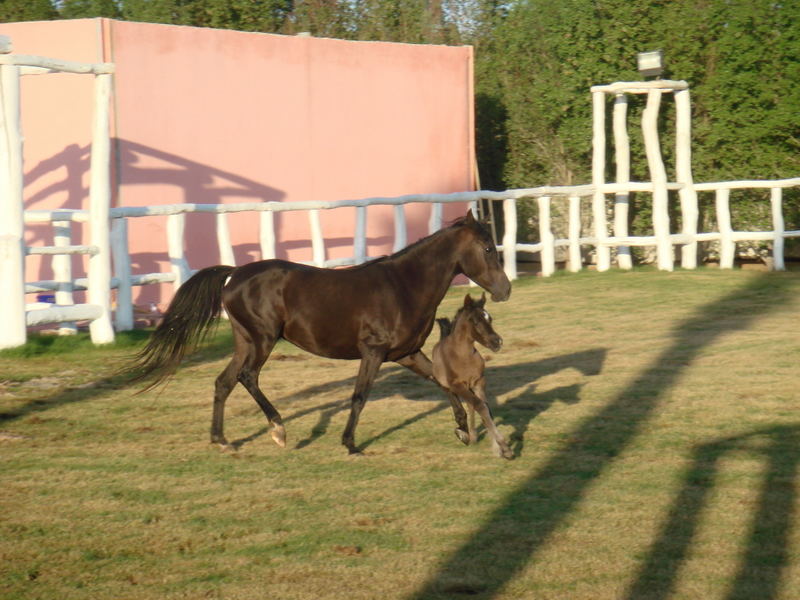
278	435
462	435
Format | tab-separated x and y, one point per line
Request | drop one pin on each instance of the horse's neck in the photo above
429	267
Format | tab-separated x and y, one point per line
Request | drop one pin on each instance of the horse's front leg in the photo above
370	363
476	396
421	365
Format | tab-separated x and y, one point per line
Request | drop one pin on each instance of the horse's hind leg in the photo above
257	355
222	389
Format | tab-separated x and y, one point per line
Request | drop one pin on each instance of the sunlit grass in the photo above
653	415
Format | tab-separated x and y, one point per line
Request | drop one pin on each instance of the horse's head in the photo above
479	260
480	322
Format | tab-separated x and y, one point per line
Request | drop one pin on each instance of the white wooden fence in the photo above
108	226
16	315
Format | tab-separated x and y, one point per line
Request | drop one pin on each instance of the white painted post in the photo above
683	173
727	247
13	331
226	256
574	234
400	229
602	250
360	235
62	271
510	238
123	316
658	175
778	228
267	234
176	228
435	223
317	241
99	289
622	152
547	254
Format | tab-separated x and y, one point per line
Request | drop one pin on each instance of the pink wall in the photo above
213	116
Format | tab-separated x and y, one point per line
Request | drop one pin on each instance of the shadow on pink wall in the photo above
145	176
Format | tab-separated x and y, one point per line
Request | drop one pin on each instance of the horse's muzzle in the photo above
502	292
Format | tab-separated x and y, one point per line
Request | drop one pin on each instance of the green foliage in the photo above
79	9
535	62
26	10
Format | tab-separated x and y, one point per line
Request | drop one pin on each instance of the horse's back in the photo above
329	312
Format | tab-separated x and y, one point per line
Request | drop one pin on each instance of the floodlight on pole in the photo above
650	64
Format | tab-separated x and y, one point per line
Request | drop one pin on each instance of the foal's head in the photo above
478	323
479	260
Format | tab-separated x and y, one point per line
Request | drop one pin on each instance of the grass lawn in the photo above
653	417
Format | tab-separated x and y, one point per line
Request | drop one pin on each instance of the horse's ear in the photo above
468	300
470	218
482	301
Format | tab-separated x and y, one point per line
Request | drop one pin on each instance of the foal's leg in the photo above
476	396
370	363
422	366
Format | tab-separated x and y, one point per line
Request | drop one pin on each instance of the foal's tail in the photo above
445	327
193	310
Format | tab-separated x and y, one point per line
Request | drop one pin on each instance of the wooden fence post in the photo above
400	229
622	152
510	238
99	292
267	234
226	256
547	254
603	252
123	316
574	234
360	235
727	247
13	329
658	175
62	271
778	228
683	173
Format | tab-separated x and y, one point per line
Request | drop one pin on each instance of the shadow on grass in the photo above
759	573
521	525
517	412
217	348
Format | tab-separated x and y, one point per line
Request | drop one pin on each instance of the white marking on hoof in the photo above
278	434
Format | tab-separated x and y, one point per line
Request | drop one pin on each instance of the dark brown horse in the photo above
458	366
382	310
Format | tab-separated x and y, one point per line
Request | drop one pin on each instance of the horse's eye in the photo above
488	249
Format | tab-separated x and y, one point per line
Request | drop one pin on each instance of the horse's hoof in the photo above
462	435
278	435
220	441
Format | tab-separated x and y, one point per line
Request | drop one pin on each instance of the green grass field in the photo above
653	416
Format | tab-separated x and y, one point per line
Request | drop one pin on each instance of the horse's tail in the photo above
445	327
187	321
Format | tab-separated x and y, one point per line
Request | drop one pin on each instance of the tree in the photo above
26	10
78	9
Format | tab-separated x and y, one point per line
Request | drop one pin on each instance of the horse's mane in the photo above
459	222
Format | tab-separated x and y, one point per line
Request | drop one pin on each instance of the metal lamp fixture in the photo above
650	64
